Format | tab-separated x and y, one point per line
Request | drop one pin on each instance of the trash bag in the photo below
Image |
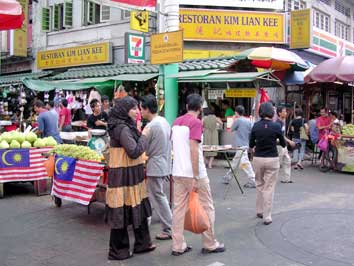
49	165
196	219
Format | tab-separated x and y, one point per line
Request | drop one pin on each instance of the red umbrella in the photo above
11	15
335	69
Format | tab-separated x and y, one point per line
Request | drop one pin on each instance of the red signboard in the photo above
135	4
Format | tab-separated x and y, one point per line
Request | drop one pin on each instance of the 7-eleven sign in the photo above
135	48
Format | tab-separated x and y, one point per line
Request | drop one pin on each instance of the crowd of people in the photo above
134	188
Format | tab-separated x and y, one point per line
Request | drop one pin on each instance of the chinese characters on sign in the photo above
232	26
215	94
300	28
75	56
18	38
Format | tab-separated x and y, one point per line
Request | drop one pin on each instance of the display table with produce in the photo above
77	174
21	160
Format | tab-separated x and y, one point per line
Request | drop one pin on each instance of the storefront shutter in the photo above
105	14
45	19
68	13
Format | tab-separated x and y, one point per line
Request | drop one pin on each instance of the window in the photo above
58	16
341	8
296	4
125	14
94	13
321	20
341	30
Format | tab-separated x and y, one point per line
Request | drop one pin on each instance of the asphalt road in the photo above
313	224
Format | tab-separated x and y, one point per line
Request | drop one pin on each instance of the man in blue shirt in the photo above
47	122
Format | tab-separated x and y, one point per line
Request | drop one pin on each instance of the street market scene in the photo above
175	132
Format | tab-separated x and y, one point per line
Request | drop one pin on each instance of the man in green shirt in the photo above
228	110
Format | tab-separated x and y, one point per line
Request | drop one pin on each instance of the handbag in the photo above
303	134
196	219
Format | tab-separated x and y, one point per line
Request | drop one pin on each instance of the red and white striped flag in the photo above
22	164
75	180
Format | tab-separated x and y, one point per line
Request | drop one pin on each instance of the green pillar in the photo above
171	91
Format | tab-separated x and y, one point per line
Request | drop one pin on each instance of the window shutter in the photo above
91	12
45	19
105	14
56	17
68	13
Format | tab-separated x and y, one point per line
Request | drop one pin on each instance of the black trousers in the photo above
119	247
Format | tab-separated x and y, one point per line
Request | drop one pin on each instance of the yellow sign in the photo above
167	48
300	28
232	26
75	56
18	39
200	54
240	93
139	20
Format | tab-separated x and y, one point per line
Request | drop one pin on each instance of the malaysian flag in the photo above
75	180
22	164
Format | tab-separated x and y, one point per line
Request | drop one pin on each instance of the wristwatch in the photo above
196	177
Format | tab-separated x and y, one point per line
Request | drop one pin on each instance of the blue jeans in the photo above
299	153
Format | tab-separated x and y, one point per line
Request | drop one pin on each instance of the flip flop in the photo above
163	236
178	253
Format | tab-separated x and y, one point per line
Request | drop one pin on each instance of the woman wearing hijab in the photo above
264	136
127	200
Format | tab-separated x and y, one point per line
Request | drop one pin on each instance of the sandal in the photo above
152	247
300	166
178	253
163	236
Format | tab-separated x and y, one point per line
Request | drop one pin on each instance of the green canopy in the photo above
43	85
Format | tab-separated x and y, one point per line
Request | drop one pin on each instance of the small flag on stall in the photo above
22	164
75	180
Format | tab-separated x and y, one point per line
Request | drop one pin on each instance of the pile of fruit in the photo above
77	152
16	140
348	130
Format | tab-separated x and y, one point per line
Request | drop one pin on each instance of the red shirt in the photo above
321	122
65	112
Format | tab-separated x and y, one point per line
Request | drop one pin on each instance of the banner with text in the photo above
232	26
266	4
92	54
300	29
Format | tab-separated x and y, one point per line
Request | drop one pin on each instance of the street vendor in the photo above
47	122
98	119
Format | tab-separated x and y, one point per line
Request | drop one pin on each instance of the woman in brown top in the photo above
127	201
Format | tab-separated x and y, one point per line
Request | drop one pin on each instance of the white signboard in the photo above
215	94
268	4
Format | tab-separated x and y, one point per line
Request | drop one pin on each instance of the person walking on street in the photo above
158	168
295	126
242	128
210	136
264	136
47	122
189	173
126	197
284	157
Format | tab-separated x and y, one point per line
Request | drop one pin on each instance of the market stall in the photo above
338	71
21	160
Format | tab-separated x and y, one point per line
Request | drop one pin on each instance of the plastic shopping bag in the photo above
323	143
196	219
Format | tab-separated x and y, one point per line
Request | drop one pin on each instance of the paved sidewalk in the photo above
313	224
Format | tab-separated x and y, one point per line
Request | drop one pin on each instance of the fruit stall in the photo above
21	160
345	150
78	174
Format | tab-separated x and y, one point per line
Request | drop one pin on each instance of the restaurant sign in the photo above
266	4
241	93
232	26
92	54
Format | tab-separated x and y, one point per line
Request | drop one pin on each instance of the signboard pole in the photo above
170	7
